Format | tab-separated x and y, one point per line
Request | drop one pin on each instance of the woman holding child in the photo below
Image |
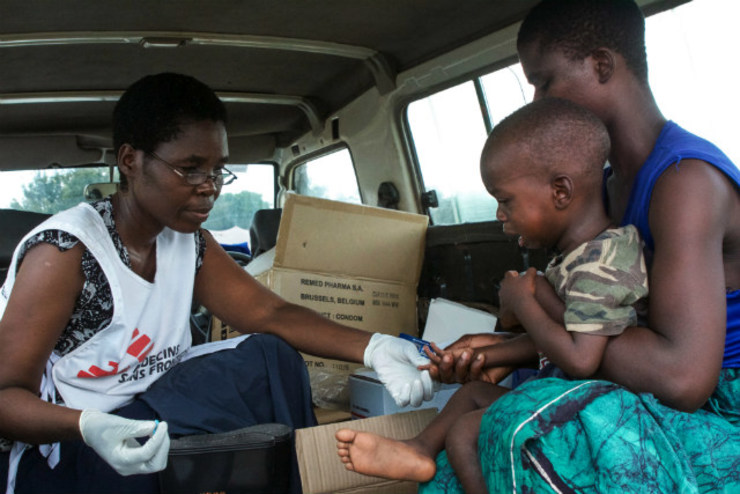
544	165
667	418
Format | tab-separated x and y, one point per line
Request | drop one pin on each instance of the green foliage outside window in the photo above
54	192
233	210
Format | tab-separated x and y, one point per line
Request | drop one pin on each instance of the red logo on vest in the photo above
139	348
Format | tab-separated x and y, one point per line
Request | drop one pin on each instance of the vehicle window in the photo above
505	90
232	213
448	131
448	128
50	190
329	176
692	81
54	190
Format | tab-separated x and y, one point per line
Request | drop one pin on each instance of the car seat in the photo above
264	230
14	225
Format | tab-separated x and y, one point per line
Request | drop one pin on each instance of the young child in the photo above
544	165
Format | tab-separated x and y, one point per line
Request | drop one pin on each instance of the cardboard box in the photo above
357	265
369	398
221	331
323	472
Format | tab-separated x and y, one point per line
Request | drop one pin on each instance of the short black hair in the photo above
558	135
581	26
153	109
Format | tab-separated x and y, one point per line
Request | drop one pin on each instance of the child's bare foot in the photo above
370	454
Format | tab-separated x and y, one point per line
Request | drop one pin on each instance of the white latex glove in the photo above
113	438
395	360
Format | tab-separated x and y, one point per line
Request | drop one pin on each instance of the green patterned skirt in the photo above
557	435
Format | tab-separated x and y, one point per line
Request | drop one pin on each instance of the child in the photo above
544	165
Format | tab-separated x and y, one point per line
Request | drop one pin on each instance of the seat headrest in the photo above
264	230
14	225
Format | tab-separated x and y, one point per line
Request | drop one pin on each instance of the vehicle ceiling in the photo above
281	66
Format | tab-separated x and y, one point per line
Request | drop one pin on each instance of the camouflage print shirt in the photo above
603	283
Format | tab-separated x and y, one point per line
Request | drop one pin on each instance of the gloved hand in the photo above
112	437
396	360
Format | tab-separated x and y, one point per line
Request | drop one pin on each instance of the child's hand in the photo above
506	318
516	288
436	355
453	365
468	364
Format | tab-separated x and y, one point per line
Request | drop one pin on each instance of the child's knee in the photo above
463	435
473	389
480	393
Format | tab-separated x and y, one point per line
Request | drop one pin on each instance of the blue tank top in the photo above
673	145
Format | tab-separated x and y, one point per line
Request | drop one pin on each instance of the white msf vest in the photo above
148	335
150	327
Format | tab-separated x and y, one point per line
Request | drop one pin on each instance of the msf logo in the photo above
138	348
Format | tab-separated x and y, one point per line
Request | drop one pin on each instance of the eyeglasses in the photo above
197	177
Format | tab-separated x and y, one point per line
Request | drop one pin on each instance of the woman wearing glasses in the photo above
95	317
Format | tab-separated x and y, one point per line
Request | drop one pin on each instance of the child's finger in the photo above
434	372
433	353
476	367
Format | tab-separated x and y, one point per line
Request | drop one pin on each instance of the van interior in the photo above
375	102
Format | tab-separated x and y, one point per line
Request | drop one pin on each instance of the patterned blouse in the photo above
94	307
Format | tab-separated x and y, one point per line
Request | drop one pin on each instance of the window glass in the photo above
330	176
232	213
448	132
506	90
692	71
53	190
687	56
50	190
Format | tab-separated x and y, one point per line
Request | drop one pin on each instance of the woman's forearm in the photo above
25	417
646	362
309	332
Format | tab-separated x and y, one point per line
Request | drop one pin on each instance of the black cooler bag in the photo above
252	460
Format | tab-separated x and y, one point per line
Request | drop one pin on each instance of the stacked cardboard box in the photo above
357	265
322	471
